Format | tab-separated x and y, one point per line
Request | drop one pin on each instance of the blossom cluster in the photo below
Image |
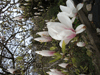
62	31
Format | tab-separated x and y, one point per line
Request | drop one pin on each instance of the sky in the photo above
27	40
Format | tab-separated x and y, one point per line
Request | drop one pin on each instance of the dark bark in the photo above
91	32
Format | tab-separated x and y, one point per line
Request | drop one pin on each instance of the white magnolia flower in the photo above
44	37
54	72
11	70
45	53
63	65
71	10
80	44
18	18
63	31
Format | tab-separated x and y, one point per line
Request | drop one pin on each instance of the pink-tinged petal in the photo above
63	18
80	44
43	39
17	18
65	9
66	34
70	4
63	65
80	28
55	72
71	36
45	53
79	6
54	28
43	33
50	73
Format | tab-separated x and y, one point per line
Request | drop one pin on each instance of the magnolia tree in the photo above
72	43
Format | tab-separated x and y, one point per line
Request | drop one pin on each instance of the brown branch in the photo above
95	41
6	57
6	48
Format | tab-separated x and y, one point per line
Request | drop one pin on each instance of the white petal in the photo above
79	6
65	9
11	70
43	39
88	7
54	28
80	44
66	42
45	53
70	4
80	28
55	70
63	65
90	17
63	18
98	30
66	34
73	19
43	33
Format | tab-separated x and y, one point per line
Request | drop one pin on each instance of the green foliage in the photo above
74	61
57	57
19	58
84	69
53	48
54	60
63	46
89	53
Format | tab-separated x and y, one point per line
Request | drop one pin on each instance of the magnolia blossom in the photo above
43	33
63	65
45	53
70	9
80	44
44	37
54	72
11	70
63	31
18	18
